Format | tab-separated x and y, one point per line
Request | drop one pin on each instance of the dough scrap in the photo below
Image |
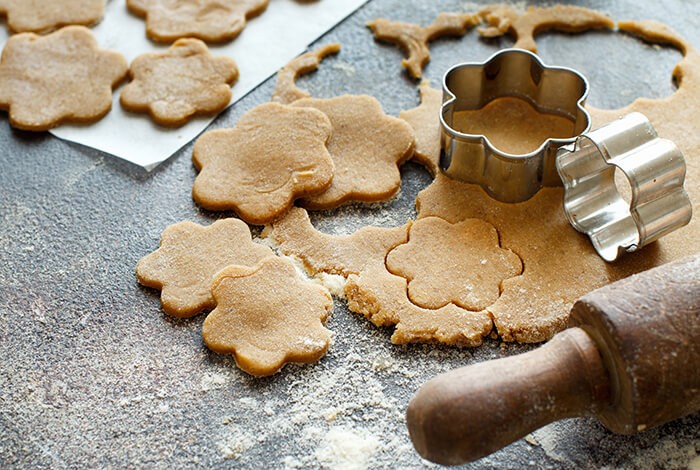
286	90
367	148
44	16
381	297
458	263
188	258
426	127
274	155
267	316
344	255
414	38
175	85
73	84
513	125
208	20
524	26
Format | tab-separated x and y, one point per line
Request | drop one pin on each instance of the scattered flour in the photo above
347	449
235	443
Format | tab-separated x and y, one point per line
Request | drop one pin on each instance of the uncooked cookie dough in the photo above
266	316
43	16
286	90
414	39
208	20
559	264
81	73
188	258
501	19
513	125
504	19
274	155
460	263
366	146
184	81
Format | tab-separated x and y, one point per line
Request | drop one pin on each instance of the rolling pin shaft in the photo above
631	358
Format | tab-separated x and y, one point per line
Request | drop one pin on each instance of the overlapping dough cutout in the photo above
275	154
189	256
266	316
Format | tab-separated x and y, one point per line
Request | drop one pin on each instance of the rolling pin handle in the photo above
468	413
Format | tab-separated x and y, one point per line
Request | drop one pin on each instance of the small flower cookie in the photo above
267	316
44	16
275	154
209	20
62	77
188	258
179	83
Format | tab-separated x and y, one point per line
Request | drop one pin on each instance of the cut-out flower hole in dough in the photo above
267	315
459	263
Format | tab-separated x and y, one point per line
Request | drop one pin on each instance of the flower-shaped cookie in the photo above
275	154
458	263
209	20
179	83
188	258
366	145
43	16
62	77
266	316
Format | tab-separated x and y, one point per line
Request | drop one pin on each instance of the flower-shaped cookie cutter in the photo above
654	170
516	73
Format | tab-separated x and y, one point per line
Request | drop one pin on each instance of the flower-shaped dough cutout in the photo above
460	263
367	147
209	20
62	77
267	316
43	16
274	155
175	85
188	258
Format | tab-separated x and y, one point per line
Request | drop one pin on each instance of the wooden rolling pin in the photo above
631	358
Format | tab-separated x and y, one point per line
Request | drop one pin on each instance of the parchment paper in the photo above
268	42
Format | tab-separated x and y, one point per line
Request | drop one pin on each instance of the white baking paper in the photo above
268	42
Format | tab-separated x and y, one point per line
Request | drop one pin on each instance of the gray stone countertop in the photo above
94	375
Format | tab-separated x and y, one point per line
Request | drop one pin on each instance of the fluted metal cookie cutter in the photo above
509	73
654	170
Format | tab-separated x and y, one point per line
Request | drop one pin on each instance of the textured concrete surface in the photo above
92	374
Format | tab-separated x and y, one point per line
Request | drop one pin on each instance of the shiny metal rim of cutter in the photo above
653	168
472	158
585	164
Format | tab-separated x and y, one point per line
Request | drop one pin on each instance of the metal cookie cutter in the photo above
516	73
654	169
